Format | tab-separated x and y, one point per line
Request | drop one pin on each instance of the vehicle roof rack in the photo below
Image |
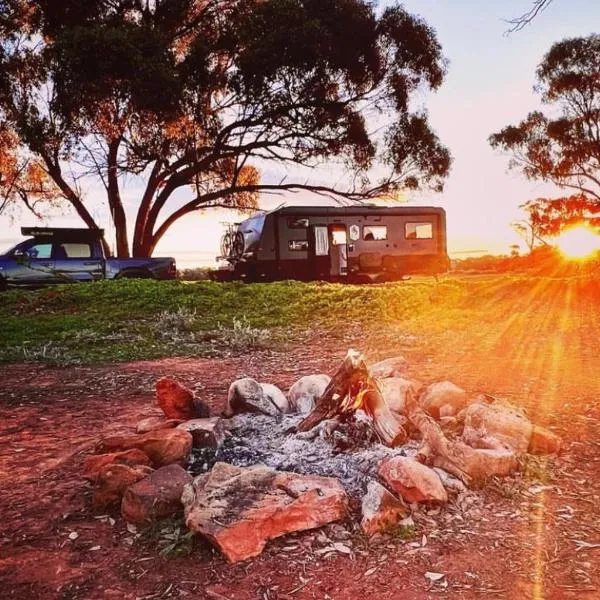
61	231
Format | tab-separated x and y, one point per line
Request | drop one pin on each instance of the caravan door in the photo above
318	252
338	250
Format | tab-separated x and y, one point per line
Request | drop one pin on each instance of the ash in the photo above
348	451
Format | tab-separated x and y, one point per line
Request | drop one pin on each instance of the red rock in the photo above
206	433
544	441
497	426
163	446
155	497
412	480
93	464
113	480
240	509
443	394
381	510
175	400
153	423
396	366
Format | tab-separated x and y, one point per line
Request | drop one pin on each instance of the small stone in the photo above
175	400
276	397
153	423
443	394
413	481
93	464
396	366
381	510
113	480
303	395
206	433
155	497
163	446
394	391
247	395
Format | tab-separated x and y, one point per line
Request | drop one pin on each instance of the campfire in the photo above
366	443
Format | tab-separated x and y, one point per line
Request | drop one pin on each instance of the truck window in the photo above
39	251
73	250
418	231
374	233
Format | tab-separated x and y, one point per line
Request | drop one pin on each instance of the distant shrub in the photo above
179	321
49	353
197	274
545	261
242	336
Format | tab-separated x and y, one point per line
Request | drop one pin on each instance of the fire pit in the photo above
367	443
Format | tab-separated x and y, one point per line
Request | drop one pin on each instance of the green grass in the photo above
138	319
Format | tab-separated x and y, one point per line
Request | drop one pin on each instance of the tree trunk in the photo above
115	203
120	222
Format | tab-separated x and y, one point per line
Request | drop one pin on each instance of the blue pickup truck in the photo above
52	255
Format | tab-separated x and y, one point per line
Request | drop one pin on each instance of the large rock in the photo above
543	441
412	480
381	510
178	401
472	465
112	481
155	497
240	509
443	399
396	366
247	395
206	433
93	464
153	423
276	397
497	426
306	391
163	446
394	391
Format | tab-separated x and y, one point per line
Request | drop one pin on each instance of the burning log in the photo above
352	388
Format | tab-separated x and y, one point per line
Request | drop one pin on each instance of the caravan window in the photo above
418	231
294	223
374	233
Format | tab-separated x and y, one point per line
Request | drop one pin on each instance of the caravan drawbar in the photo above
357	243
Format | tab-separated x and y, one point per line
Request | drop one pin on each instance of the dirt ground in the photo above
535	536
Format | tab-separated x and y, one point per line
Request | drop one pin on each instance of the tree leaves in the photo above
195	95
562	147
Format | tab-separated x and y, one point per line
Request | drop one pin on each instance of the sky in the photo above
489	85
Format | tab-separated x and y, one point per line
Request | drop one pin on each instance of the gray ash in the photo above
347	451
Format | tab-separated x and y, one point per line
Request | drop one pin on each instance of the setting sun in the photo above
578	242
